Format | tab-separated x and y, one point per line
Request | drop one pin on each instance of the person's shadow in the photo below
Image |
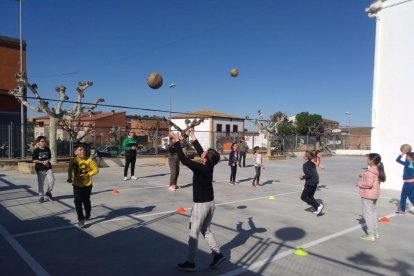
242	236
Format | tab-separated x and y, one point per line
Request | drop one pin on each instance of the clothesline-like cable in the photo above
130	107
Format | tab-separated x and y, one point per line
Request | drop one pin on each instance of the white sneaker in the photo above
368	238
133	178
320	208
125	178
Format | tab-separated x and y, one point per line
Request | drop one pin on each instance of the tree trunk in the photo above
52	138
268	146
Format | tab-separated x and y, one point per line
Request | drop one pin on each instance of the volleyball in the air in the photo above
234	72
406	148
154	80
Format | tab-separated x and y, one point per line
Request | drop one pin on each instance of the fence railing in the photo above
158	138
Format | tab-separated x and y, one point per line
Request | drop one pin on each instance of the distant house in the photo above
217	128
108	126
147	127
356	137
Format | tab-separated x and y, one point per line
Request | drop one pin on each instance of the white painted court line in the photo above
44	231
30	261
286	253
140	216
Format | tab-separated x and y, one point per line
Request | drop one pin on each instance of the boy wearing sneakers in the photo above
41	157
203	197
80	172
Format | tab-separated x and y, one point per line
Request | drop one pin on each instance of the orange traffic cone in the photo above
180	210
385	219
116	191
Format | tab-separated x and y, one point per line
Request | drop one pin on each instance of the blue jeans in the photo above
407	191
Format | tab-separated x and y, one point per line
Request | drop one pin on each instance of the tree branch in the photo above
62	91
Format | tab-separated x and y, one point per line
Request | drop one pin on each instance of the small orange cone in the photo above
116	191
180	210
385	219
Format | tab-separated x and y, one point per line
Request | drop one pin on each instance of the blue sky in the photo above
293	55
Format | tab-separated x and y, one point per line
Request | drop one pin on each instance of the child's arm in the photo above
195	143
404	163
194	166
70	171
197	147
308	172
367	181
93	168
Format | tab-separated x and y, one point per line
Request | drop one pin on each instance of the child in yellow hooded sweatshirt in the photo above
80	172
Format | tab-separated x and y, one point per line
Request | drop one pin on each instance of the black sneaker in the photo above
87	216
81	223
187	266
217	260
49	195
41	200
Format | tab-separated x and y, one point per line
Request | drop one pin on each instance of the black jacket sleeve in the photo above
194	166
198	147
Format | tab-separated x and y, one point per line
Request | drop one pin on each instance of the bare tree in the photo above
189	125
74	127
55	114
268	127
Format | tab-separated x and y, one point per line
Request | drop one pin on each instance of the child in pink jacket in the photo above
369	190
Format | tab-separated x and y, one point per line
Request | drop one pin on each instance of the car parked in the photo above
108	151
151	151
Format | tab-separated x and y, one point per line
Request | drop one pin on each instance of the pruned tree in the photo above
268	127
189	125
55	114
74	127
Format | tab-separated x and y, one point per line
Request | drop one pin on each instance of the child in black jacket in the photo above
203	197
311	178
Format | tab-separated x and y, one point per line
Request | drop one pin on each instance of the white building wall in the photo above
253	141
203	131
393	89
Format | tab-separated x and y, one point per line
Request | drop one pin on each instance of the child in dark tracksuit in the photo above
203	197
408	178
311	178
233	160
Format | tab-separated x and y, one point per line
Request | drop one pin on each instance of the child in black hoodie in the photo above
311	178
203	197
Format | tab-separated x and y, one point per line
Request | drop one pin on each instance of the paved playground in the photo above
139	232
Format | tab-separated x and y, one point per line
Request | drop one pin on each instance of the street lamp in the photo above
348	115
22	128
172	85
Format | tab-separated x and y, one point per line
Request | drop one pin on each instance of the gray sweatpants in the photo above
369	211
41	176
200	220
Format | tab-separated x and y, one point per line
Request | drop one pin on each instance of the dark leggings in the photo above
82	195
130	158
257	176
233	173
307	196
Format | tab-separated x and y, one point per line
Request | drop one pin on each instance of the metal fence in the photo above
10	140
158	138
